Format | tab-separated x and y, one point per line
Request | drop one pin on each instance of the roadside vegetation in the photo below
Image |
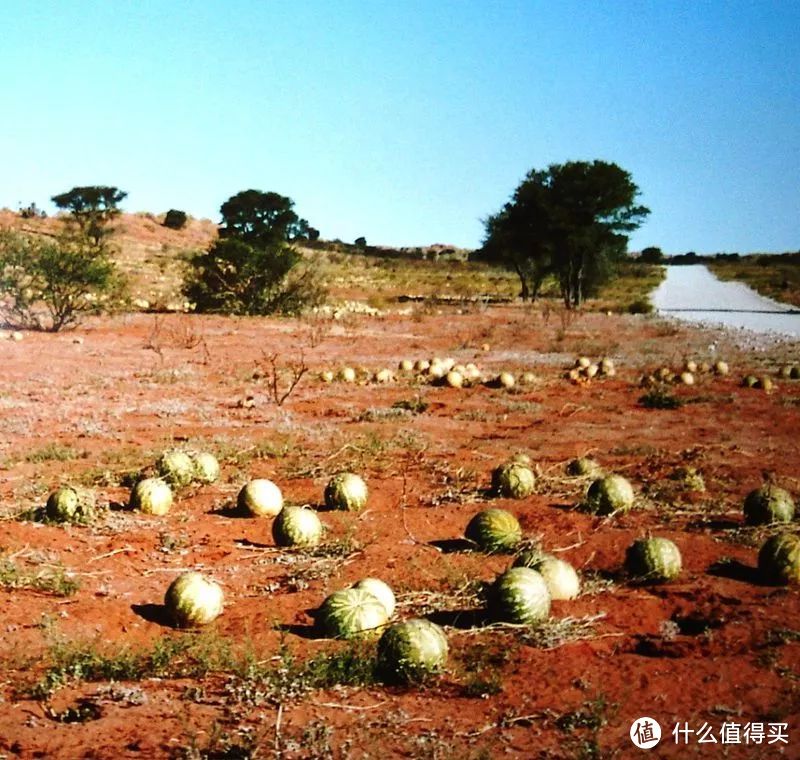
773	275
563	236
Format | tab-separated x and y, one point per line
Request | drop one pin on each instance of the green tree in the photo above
516	237
92	208
652	255
252	268
260	218
570	220
50	283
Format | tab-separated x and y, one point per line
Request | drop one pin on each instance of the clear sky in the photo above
409	122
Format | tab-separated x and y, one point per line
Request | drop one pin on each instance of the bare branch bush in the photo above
281	380
318	327
180	333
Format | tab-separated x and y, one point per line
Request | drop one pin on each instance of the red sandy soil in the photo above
714	646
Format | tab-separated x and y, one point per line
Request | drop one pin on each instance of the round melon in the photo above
561	579
346	491
607	367
582	467
454	379
176	467
768	504
495	531
347	375
653	560
153	496
260	498
193	600
406	365
437	370
380	590
721	368
514	479
519	595
206	467
411	651
506	380
350	613
472	372
609	494
779	559
68	504
297	527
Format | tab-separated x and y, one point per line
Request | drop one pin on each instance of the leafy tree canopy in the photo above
261	218
570	220
92	208
652	255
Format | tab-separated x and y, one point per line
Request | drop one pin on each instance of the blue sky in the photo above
410	122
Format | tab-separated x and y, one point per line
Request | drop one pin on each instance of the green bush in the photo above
234	277
50	283
640	306
175	220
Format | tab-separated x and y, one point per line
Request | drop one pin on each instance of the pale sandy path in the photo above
694	294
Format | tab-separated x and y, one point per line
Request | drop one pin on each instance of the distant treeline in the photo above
762	259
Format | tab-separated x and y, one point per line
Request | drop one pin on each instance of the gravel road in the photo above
694	294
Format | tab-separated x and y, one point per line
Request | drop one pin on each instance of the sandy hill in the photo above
154	259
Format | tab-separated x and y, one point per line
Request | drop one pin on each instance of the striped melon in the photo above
349	613
153	496
206	467
609	494
519	595
779	559
583	467
68	504
176	467
561	579
380	590
193	600
513	480
653	560
411	651
261	498
297	526
768	504
346	491
494	531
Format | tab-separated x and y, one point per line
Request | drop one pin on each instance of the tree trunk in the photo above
524	291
